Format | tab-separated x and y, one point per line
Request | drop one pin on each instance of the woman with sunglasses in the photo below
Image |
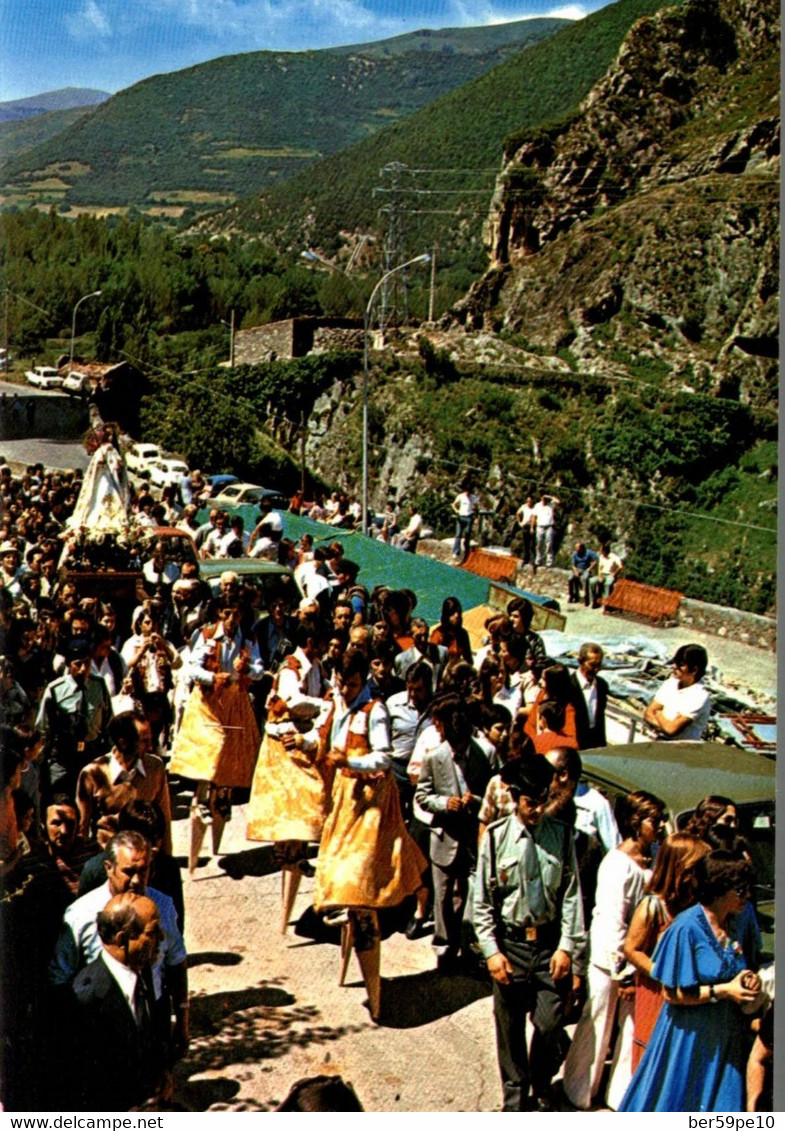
696	1058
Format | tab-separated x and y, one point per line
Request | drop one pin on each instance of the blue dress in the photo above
696	1058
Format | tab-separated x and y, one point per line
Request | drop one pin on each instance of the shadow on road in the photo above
418	999
234	1027
214	958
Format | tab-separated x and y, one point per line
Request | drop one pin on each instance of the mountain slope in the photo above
643	235
69	98
227	128
17	136
455	144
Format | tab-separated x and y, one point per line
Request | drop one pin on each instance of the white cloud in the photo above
568	12
467	14
89	22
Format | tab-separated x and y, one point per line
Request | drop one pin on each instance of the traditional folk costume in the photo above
218	740
367	859
291	787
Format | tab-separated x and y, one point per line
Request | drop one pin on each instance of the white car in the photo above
140	456
44	377
167	472
76	382
238	495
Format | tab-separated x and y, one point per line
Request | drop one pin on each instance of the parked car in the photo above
218	482
76	383
139	456
682	773
44	377
268	579
238	495
167	472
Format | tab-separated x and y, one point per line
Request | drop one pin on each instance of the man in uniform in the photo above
73	716
529	925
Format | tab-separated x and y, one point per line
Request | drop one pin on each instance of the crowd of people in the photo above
431	775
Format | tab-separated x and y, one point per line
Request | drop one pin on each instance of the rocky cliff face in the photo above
643	234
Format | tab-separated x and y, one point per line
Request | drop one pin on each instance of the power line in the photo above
677	512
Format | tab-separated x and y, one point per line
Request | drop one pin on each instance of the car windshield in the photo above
258	590
756	825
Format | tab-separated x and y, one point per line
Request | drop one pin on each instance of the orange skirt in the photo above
218	739
366	857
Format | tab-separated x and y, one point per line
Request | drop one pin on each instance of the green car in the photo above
269	579
682	773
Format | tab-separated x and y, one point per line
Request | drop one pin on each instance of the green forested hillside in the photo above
231	127
16	137
455	144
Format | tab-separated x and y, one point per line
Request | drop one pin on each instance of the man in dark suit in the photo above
119	1051
452	784
590	697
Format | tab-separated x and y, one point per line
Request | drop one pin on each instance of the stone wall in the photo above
295	337
26	415
732	624
337	338
257	345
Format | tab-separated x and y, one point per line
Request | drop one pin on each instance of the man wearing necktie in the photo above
120	1056
529	924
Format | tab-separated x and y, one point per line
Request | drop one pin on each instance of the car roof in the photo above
681	773
214	567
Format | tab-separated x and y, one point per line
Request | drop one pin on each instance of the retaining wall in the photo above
29	415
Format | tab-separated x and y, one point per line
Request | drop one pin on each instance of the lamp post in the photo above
314	257
93	294
231	339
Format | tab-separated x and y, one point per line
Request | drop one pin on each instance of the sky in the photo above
110	44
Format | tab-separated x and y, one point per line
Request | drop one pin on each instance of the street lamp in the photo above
231	339
93	294
314	257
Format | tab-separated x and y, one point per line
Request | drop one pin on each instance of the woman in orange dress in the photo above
551	721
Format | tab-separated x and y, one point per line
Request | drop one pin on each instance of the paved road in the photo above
267	1010
51	453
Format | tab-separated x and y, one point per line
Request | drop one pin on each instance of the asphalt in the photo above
267	1009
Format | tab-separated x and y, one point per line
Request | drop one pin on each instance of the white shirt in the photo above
694	702
589	694
594	816
226	652
620	884
525	514
414	526
466	504
544	515
373	724
115	770
606	563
